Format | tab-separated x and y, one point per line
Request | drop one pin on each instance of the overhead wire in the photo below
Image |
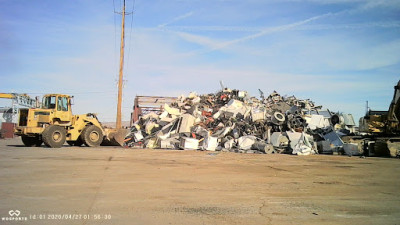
116	49
130	35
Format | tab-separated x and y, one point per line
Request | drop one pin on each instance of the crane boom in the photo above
21	99
7	95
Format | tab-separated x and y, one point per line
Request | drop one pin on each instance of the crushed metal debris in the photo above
231	120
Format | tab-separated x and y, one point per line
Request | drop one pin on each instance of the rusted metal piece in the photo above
146	104
7	130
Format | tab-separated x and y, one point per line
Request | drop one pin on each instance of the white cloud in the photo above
322	26
181	17
198	39
368	3
213	45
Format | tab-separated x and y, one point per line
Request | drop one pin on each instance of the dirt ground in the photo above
113	185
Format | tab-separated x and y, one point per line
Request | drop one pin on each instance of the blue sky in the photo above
338	53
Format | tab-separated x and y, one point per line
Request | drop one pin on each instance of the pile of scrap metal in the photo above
231	120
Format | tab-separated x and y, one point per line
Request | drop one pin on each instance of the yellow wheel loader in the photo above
53	124
382	129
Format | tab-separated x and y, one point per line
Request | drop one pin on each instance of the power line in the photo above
130	35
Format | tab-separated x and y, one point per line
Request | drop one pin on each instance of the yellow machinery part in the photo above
5	95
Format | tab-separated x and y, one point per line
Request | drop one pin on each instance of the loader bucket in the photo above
115	137
394	148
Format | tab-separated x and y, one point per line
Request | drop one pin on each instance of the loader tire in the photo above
92	136
54	136
31	141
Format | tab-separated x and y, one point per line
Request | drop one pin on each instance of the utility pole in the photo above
121	70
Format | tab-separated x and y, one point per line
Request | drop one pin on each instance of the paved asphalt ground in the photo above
112	185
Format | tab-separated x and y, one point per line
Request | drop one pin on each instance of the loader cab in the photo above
49	102
60	106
